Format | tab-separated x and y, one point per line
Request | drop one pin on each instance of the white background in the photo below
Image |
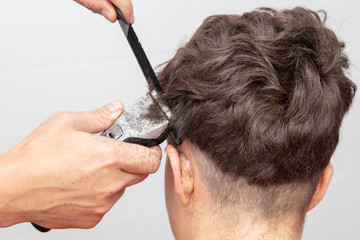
56	55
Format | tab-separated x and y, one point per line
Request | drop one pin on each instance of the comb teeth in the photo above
143	60
146	68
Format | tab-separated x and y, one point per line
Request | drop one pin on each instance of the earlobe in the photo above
182	173
322	186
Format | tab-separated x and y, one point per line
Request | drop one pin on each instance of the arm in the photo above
64	176
106	8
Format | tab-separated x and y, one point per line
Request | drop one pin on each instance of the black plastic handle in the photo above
40	228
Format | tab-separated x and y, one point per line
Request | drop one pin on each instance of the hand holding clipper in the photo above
147	122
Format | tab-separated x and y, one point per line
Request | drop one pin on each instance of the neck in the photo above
244	227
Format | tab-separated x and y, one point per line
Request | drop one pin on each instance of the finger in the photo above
125	180
126	9
103	7
97	120
133	179
134	158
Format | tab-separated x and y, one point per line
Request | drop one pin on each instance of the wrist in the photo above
10	214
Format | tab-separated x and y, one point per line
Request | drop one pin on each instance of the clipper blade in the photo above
146	122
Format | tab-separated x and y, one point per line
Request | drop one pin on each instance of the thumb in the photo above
98	120
126	9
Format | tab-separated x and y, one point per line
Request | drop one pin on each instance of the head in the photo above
258	100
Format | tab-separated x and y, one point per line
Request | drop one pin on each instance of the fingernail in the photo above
106	14
114	106
132	19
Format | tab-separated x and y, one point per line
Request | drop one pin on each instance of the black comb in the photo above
139	52
143	61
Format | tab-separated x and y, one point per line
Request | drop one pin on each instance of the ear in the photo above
322	186
182	173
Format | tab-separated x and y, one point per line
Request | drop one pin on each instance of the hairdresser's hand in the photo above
105	8
64	176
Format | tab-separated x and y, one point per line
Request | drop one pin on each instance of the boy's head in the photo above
258	100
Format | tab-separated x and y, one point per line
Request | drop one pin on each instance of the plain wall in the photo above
57	55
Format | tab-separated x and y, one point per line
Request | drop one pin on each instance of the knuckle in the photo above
103	147
145	158
135	158
101	116
128	5
91	224
108	193
154	157
125	6
136	179
148	158
61	117
100	211
122	191
92	5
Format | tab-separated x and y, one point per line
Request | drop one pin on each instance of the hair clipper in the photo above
146	122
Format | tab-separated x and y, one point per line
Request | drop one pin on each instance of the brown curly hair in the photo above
261	94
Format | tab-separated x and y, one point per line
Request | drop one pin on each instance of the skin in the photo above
106	8
64	176
192	215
